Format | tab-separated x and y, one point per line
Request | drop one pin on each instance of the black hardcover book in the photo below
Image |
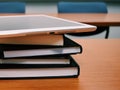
9	71
57	60
28	50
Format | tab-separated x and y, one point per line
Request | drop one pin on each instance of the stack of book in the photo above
42	55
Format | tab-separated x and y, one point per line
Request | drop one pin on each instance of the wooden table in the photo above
100	70
110	19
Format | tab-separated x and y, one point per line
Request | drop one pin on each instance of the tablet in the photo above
20	25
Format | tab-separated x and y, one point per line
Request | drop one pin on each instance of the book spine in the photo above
68	42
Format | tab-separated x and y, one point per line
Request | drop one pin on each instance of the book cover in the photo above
28	50
37	60
38	71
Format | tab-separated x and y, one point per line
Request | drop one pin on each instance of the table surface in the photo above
100	70
109	19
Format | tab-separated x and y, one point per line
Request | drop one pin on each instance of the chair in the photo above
12	7
85	7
